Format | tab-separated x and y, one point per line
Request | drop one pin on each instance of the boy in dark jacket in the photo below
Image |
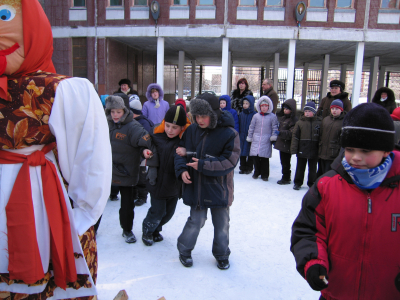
128	140
329	146
164	194
205	161
136	108
305	141
287	121
346	237
245	117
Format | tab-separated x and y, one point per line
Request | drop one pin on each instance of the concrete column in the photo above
304	89
358	66
343	71
381	78
225	66
181	66
324	77
373	78
193	80
290	69
160	61
276	70
230	73
267	67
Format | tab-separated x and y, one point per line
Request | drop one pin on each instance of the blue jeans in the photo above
220	219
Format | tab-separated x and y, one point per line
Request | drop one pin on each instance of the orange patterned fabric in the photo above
24	115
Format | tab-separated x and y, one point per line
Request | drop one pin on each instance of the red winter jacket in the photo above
354	234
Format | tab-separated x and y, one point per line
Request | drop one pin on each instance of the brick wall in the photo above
62	56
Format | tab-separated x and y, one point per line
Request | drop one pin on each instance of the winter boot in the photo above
157	237
113	198
140	202
187	261
282	181
223	264
129	237
296	187
148	239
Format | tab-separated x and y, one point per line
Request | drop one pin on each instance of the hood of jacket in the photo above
265	99
251	100
154	86
227	100
293	108
378	93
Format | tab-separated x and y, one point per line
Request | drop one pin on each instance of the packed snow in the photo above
262	266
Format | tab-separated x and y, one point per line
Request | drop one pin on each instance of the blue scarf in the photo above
368	179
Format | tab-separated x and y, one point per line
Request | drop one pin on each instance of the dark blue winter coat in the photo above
244	123
229	108
145	122
218	151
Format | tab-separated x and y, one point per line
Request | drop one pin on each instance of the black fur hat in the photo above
368	126
176	115
337	83
124	81
206	104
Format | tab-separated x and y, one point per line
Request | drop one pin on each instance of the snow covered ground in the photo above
262	266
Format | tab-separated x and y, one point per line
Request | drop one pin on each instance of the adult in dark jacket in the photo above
268	90
287	119
337	92
237	96
210	150
128	141
245	117
385	97
228	108
125	87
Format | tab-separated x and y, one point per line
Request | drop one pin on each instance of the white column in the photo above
381	78
343	71
304	90
373	78
181	66
229	73
160	61
193	80
276	70
324	77
358	65
290	69
225	66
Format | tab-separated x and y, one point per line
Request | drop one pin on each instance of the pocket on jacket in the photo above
334	150
214	192
119	170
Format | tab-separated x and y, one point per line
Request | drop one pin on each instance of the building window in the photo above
79	57
79	3
139	2
205	2
274	3
180	2
344	4
247	3
316	3
390	4
115	2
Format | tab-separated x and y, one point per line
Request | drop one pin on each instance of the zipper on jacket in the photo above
259	144
369	203
199	180
369	210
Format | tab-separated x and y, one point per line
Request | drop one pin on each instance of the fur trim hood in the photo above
265	99
157	87
378	93
116	102
201	107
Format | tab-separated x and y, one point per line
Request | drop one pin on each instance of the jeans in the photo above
126	213
160	212
220	219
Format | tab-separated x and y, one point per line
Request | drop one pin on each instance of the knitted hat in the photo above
176	115
338	104
396	114
124	81
310	106
337	83
181	102
135	104
368	126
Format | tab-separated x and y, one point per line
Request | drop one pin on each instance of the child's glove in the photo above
152	175
273	138
314	274
249	139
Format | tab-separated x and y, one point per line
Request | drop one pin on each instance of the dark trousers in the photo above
301	168
246	163
126	213
220	219
324	166
285	162
261	166
114	190
160	212
141	185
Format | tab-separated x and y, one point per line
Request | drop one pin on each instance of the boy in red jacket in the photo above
346	237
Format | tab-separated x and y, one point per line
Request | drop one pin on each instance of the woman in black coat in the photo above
385	97
238	95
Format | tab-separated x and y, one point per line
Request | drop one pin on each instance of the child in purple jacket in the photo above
155	107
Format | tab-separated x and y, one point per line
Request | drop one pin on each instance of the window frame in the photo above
281	5
198	3
179	5
132	4
73	4
309	6
247	5
397	5
351	5
109	4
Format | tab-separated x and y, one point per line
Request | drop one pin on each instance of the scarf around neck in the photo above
367	179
